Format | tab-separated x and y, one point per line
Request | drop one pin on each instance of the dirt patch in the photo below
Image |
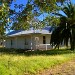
67	68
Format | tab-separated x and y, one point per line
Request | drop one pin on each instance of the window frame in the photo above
11	42
25	41
44	39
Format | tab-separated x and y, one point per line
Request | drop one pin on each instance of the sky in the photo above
18	2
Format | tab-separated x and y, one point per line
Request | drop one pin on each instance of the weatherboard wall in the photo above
32	41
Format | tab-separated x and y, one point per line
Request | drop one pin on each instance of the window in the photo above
11	42
26	41
44	40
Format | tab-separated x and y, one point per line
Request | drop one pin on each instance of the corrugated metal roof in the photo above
46	30
13	32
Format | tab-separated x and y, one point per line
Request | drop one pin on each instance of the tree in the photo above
51	20
66	28
5	13
35	8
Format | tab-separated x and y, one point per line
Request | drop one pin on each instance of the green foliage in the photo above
33	9
52	20
48	5
66	29
5	12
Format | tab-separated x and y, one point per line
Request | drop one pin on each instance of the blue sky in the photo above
18	2
73	1
24	2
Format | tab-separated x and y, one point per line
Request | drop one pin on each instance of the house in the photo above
29	39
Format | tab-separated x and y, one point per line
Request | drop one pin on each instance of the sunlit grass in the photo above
26	63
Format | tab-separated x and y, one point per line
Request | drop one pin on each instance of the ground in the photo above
50	62
67	68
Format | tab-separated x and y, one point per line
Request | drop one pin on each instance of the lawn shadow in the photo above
36	52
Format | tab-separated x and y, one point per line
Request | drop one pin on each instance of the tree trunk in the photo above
73	40
57	46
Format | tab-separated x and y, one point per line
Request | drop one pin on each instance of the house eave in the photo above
28	34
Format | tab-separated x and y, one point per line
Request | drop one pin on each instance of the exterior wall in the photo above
8	43
47	45
38	42
18	42
34	41
21	42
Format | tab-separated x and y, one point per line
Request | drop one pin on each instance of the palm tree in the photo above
66	28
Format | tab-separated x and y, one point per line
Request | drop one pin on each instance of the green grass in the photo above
30	62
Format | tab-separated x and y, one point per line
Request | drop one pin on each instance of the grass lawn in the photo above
29	63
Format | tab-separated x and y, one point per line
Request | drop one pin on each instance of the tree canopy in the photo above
33	9
5	13
66	29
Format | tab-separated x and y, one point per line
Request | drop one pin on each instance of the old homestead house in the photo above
29	39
